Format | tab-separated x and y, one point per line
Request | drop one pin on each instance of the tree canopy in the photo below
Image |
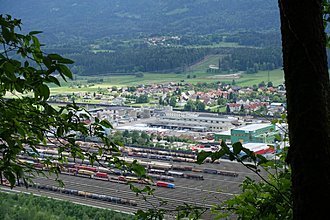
27	120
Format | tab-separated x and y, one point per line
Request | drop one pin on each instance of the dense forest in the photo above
172	59
28	207
251	60
153	59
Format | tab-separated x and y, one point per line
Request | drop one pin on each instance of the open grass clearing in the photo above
275	76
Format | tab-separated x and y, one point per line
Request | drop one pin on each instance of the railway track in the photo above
212	190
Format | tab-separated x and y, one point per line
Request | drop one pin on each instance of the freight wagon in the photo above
227	173
94	169
174	173
101	175
161	177
165	184
211	171
194	176
86	173
86	194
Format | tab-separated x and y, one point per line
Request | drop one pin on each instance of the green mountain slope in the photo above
85	19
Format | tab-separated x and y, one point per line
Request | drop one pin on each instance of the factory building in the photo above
194	122
253	133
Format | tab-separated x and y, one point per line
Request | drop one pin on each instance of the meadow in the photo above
80	84
194	74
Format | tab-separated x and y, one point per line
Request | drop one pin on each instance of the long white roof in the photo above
253	127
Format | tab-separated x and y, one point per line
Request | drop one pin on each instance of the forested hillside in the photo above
63	20
130	36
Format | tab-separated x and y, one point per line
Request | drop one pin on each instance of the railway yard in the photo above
177	181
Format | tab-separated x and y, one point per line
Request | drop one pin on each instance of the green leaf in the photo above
60	59
10	177
37	55
36	41
54	56
47	61
54	80
138	169
201	156
65	71
237	147
262	159
7	35
35	32
217	155
247	151
19	85
44	91
66	61
59	131
251	166
106	123
244	157
225	148
9	70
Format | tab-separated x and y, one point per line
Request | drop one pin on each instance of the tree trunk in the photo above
307	86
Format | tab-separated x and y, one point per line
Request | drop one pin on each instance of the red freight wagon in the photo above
101	175
87	168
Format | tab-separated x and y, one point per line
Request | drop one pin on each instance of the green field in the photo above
275	76
201	67
198	74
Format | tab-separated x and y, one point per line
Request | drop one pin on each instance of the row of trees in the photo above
256	39
194	106
143	139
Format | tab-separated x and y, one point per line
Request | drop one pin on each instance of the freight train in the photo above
166	168
85	194
175	174
134	151
94	173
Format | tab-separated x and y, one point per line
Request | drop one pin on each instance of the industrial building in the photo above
253	133
194	122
